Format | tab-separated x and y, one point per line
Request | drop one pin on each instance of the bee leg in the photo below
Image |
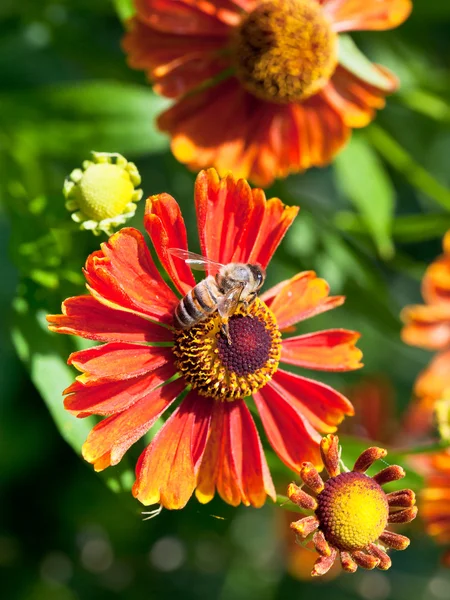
226	331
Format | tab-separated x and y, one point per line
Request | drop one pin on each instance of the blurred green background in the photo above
369	225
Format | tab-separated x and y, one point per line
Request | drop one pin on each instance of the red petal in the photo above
234	460
332	350
122	275
110	439
174	63
165	226
88	318
300	298
181	17
288	431
355	99
113	396
320	404
166	470
117	361
353	15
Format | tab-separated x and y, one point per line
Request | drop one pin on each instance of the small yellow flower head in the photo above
351	511
103	192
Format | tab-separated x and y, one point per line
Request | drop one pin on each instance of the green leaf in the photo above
354	61
45	353
78	118
401	160
124	8
363	179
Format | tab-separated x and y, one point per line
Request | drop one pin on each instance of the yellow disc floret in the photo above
352	510
103	192
285	50
232	368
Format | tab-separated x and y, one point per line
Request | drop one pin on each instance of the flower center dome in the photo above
235	368
285	50
353	511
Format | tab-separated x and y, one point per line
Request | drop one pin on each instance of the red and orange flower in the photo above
435	501
210	440
428	326
262	87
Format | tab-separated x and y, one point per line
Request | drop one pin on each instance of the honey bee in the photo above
222	290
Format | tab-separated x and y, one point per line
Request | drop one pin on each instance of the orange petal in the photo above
427	326
181	17
88	318
287	429
320	404
354	99
332	350
123	275
353	15
110	439
234	460
165	226
117	361
174	63
166	470
299	298
107	398
436	282
236	223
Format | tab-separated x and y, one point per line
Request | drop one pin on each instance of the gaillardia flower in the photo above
210	440
351	510
428	326
103	193
262	87
435	501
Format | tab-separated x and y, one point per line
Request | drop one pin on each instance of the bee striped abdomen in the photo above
198	303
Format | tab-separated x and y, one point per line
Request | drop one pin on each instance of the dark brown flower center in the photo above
285	50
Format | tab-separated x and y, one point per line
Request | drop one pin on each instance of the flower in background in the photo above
262	88
103	192
435	501
210	440
428	326
351	511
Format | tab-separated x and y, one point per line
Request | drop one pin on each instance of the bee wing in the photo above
196	261
227	304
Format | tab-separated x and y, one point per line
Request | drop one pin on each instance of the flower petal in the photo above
332	350
88	318
165	226
181	17
111	397
234	461
288	430
236	223
353	15
166	470
122	275
117	361
174	63
111	438
320	404
427	326
301	297
354	99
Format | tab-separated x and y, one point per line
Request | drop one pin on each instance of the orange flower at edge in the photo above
208	443
249	101
428	326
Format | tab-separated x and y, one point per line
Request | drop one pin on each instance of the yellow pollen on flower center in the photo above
104	191
229	369
285	50
352	510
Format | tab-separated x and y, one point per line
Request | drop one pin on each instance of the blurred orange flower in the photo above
262	87
210	441
428	326
435	501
